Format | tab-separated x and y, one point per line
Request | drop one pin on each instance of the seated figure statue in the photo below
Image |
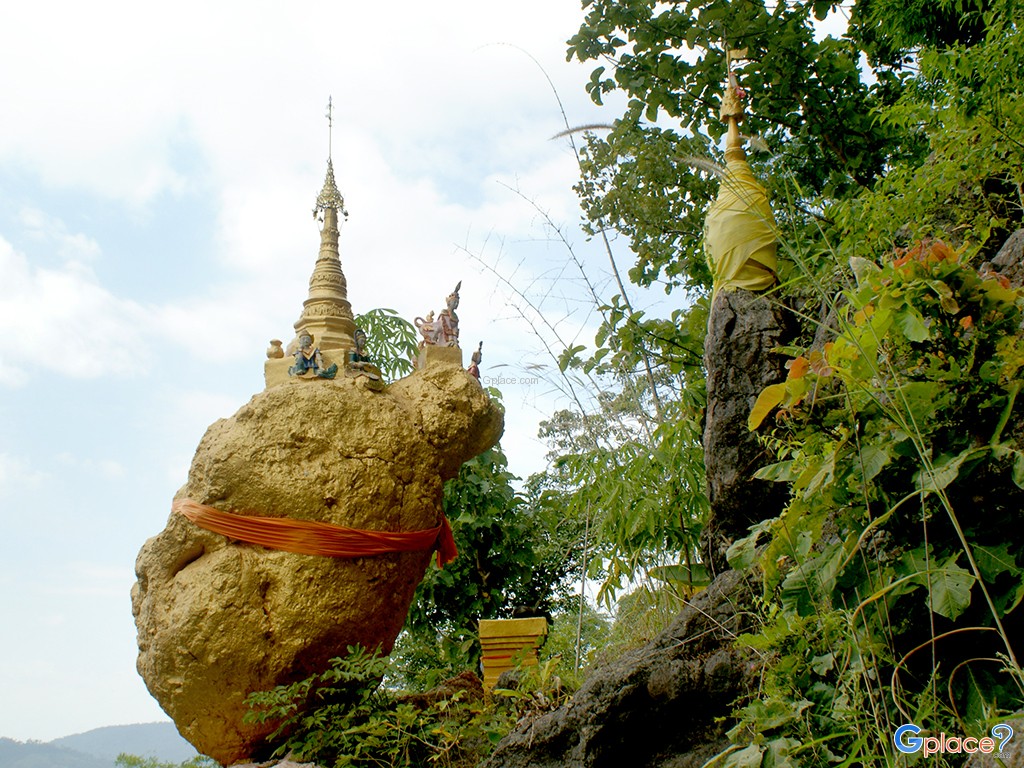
475	360
358	361
309	363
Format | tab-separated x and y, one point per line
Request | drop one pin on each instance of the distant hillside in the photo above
98	748
34	754
160	740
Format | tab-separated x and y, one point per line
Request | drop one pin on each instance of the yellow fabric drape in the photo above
739	233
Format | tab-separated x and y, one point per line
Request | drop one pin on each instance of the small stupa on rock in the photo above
744	327
307	520
326	314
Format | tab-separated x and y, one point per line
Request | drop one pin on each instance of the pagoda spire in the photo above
327	314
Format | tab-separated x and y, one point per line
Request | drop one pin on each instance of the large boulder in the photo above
218	619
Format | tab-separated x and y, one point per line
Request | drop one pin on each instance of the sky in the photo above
158	168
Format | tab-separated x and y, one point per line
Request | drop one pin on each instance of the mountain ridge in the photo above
98	748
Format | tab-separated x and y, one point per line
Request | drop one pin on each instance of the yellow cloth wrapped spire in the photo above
739	230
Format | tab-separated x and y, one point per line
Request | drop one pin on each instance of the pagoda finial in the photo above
330	126
731	111
329	197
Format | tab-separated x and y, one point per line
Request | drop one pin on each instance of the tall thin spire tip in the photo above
330	126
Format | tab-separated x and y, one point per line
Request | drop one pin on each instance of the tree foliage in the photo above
810	103
908	128
516	557
390	341
890	437
635	484
344	717
125	760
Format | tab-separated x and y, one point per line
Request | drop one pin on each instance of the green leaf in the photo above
945	470
821	9
780	472
873	459
1018	469
743	552
568	357
863	269
749	757
949	594
695	574
990	370
822	664
775	712
912	324
994	561
813	579
823	477
778	754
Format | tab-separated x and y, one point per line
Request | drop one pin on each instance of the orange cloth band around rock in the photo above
308	537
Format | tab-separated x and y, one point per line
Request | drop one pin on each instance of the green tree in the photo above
577	639
810	103
515	558
125	760
827	124
635	485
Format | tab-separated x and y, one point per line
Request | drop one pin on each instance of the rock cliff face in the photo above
218	619
743	330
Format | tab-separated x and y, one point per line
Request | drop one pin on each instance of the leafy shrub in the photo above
344	717
886	596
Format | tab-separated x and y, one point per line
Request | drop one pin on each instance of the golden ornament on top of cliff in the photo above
739	230
307	463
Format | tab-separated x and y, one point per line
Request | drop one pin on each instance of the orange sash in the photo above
308	537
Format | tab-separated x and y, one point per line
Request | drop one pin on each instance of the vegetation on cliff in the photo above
892	581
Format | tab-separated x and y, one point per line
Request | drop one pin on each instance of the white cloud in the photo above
89	579
53	234
61	320
109	469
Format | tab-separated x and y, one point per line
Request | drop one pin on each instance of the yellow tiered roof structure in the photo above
508	643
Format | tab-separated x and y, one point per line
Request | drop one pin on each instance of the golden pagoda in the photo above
326	314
